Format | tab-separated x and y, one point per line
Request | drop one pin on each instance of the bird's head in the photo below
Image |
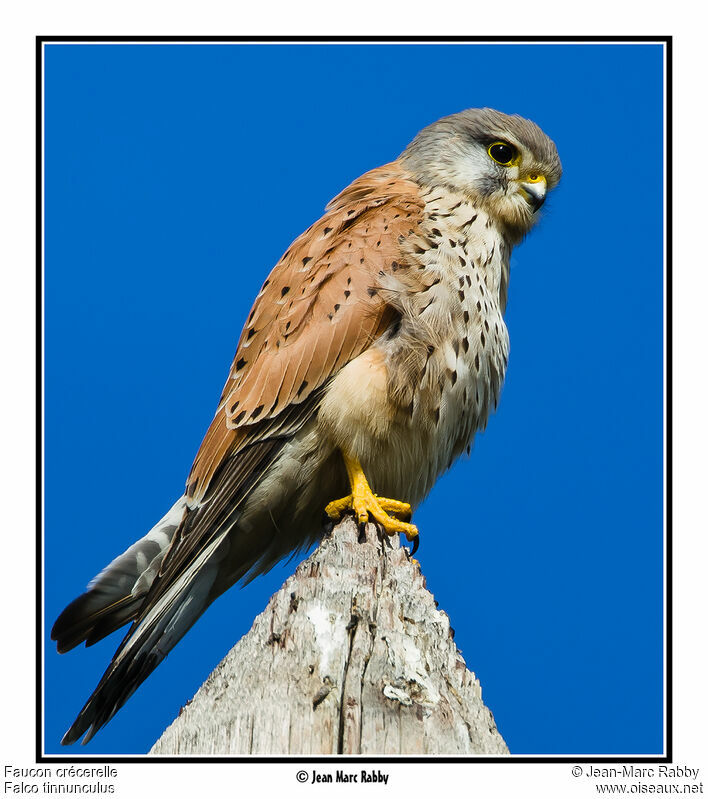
504	164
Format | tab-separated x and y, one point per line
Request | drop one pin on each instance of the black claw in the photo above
416	544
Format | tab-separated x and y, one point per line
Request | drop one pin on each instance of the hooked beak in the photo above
534	190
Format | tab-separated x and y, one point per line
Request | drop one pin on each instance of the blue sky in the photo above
175	178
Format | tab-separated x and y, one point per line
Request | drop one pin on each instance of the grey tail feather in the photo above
149	640
114	596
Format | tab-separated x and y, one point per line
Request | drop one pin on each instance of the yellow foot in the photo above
338	507
366	504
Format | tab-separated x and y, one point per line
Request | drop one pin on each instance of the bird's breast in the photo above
412	403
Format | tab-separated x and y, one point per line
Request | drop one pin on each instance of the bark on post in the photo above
350	656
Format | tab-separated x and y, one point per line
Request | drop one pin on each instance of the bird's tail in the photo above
149	640
113	597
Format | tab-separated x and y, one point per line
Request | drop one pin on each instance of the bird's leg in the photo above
366	504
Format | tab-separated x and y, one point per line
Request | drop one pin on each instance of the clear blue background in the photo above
175	178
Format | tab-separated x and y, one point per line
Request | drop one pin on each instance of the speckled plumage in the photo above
379	335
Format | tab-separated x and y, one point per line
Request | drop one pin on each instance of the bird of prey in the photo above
373	352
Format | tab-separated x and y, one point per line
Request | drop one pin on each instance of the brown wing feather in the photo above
317	310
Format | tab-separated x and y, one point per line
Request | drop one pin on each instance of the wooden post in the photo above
350	656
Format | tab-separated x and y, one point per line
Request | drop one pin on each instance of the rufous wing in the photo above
318	310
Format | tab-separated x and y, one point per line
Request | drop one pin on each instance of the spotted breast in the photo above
434	378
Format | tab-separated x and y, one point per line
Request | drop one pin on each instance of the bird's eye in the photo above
502	152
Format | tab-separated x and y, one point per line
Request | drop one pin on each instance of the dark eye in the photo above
502	152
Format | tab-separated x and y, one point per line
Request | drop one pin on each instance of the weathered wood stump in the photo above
351	656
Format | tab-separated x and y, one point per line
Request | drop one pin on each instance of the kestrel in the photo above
374	351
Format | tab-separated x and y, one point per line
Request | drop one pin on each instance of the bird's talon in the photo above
401	510
367	507
338	507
